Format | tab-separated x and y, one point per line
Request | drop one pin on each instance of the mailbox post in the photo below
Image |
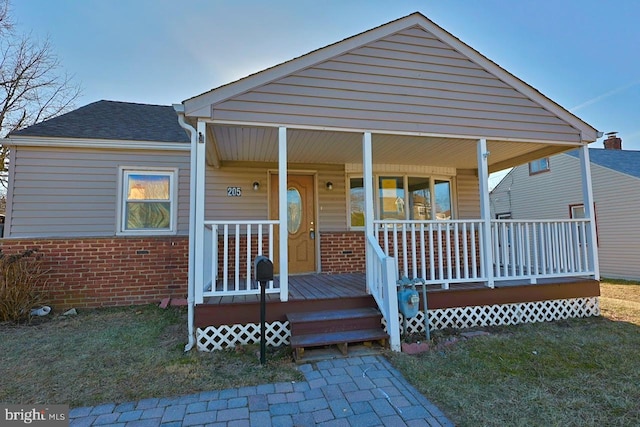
263	272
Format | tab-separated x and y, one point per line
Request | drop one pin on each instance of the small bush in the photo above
21	285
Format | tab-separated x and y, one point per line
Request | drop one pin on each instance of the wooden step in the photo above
334	320
335	327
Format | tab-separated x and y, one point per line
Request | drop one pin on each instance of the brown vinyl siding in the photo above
408	81
65	192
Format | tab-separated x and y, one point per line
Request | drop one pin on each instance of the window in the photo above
539	166
356	201
402	198
576	211
148	202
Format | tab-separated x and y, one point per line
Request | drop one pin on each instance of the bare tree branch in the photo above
33	87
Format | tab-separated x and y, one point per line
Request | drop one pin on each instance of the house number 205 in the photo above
234	191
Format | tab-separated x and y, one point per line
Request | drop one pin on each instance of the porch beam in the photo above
367	173
589	209
213	158
199	176
282	213
485	211
470	138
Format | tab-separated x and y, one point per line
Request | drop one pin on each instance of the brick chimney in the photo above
613	142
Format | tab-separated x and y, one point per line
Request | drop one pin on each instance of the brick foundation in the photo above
100	272
342	252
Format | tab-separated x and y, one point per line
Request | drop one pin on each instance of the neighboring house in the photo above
554	191
377	148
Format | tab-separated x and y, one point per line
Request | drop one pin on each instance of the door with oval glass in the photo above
301	222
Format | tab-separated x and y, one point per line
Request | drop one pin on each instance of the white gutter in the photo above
179	108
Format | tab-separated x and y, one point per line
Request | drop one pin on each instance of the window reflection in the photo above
294	208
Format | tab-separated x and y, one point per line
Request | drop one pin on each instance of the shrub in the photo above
21	285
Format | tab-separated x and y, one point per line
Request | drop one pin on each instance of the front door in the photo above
301	222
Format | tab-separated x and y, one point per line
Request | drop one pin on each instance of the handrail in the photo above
381	282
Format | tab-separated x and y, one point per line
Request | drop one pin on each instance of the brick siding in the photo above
342	252
99	272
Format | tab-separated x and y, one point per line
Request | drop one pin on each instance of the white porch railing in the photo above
450	252
230	248
541	249
440	252
381	284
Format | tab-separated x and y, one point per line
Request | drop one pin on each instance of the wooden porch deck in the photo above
313	292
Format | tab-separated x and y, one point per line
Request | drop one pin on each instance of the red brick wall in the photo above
342	252
98	272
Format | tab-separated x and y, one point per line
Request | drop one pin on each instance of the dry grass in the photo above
120	355
580	372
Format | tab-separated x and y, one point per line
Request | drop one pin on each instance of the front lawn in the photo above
120	355
579	372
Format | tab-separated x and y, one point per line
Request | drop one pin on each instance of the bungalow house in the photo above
524	194
349	167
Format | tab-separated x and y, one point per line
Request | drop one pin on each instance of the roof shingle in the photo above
623	161
113	120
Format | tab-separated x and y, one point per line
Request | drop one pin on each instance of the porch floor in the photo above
333	286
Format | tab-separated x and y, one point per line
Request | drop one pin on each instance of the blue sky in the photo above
583	54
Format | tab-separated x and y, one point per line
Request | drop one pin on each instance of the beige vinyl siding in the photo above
67	192
408	81
468	195
254	205
332	204
548	195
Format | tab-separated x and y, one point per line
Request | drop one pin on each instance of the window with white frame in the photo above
539	166
402	197
148	201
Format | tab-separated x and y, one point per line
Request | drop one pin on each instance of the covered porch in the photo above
372	156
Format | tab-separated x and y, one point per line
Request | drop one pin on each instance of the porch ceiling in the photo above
260	144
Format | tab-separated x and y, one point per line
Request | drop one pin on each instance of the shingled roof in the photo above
115	121
623	161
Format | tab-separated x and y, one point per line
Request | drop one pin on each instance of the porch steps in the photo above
335	327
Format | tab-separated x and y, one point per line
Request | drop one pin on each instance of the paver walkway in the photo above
358	391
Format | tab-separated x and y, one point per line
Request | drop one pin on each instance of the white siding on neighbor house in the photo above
67	192
545	195
548	196
406	82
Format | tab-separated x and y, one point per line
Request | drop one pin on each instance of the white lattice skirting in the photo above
278	333
504	314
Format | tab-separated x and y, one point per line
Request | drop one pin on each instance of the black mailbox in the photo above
263	269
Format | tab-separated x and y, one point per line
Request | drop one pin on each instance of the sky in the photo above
583	54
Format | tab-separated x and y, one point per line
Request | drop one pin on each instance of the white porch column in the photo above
282	210
589	212
198	247
367	173
485	211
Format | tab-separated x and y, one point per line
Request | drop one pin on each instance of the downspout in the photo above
179	108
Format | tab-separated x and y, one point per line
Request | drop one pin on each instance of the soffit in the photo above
260	144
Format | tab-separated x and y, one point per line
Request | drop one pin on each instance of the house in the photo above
524	194
377	148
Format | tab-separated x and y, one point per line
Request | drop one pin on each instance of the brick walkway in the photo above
358	391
